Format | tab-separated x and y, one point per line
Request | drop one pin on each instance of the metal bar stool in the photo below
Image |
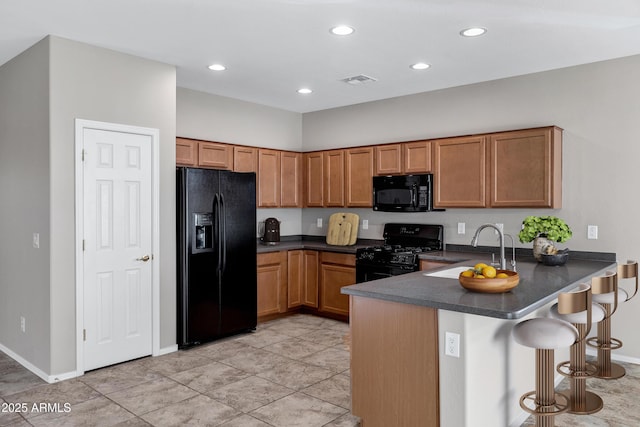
605	292
576	308
545	335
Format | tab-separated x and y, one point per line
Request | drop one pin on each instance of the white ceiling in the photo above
274	47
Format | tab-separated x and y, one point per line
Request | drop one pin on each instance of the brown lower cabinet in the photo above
272	283
336	270
303	279
290	281
391	386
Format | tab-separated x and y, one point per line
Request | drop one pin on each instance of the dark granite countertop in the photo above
315	243
539	285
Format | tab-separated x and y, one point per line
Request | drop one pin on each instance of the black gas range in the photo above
399	254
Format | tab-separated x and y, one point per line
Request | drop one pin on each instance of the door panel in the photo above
117	235
238	281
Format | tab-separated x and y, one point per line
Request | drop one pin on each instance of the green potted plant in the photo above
542	230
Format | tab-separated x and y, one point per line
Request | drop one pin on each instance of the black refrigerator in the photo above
217	261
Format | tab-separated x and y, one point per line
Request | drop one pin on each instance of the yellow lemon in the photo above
479	276
502	275
468	273
489	272
479	266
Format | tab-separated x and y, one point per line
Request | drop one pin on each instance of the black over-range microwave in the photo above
403	193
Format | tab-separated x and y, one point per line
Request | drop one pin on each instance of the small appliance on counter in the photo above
271	235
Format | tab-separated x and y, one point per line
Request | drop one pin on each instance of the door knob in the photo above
144	258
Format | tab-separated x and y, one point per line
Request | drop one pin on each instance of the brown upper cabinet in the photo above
245	159
508	169
204	154
334	178
268	178
526	168
417	157
313	179
290	179
214	155
339	178
460	172
403	158
186	152
279	179
358	177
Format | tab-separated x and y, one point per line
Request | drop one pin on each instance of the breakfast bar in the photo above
406	373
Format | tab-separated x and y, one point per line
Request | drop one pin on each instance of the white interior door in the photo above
117	256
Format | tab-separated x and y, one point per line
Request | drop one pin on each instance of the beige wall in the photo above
42	92
217	118
98	84
24	205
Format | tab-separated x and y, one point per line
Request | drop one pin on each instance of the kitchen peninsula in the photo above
399	371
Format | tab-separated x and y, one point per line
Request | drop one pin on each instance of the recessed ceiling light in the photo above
217	67
304	90
342	30
420	66
473	32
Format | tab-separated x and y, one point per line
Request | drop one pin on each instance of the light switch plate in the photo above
36	240
592	232
365	224
319	222
461	228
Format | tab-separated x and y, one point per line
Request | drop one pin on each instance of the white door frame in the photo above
80	126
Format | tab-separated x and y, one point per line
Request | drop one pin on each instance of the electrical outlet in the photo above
592	232
365	224
461	228
500	226
319	223
23	324
36	240
452	344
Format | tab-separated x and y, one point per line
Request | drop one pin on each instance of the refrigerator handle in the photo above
216	224
223	214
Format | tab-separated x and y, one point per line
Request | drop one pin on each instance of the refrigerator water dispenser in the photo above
204	232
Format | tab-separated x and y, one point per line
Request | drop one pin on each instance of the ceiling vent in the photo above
359	80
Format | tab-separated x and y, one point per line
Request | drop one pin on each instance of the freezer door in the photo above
198	282
239	261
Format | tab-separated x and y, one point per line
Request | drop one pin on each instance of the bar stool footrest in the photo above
613	345
589	370
560	405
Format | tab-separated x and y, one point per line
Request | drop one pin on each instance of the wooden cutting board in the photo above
343	229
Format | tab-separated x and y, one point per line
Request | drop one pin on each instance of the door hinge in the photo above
84	335
83	155
83	244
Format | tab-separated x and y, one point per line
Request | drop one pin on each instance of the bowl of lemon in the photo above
488	279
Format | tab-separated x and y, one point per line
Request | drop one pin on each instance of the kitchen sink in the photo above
449	273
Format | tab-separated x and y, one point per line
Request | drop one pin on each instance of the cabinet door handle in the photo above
144	258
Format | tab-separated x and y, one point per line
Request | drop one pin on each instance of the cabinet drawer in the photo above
338	258
269	258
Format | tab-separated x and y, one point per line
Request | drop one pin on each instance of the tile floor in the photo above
290	372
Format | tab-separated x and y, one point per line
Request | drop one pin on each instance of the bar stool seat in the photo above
578	309
607	293
544	335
